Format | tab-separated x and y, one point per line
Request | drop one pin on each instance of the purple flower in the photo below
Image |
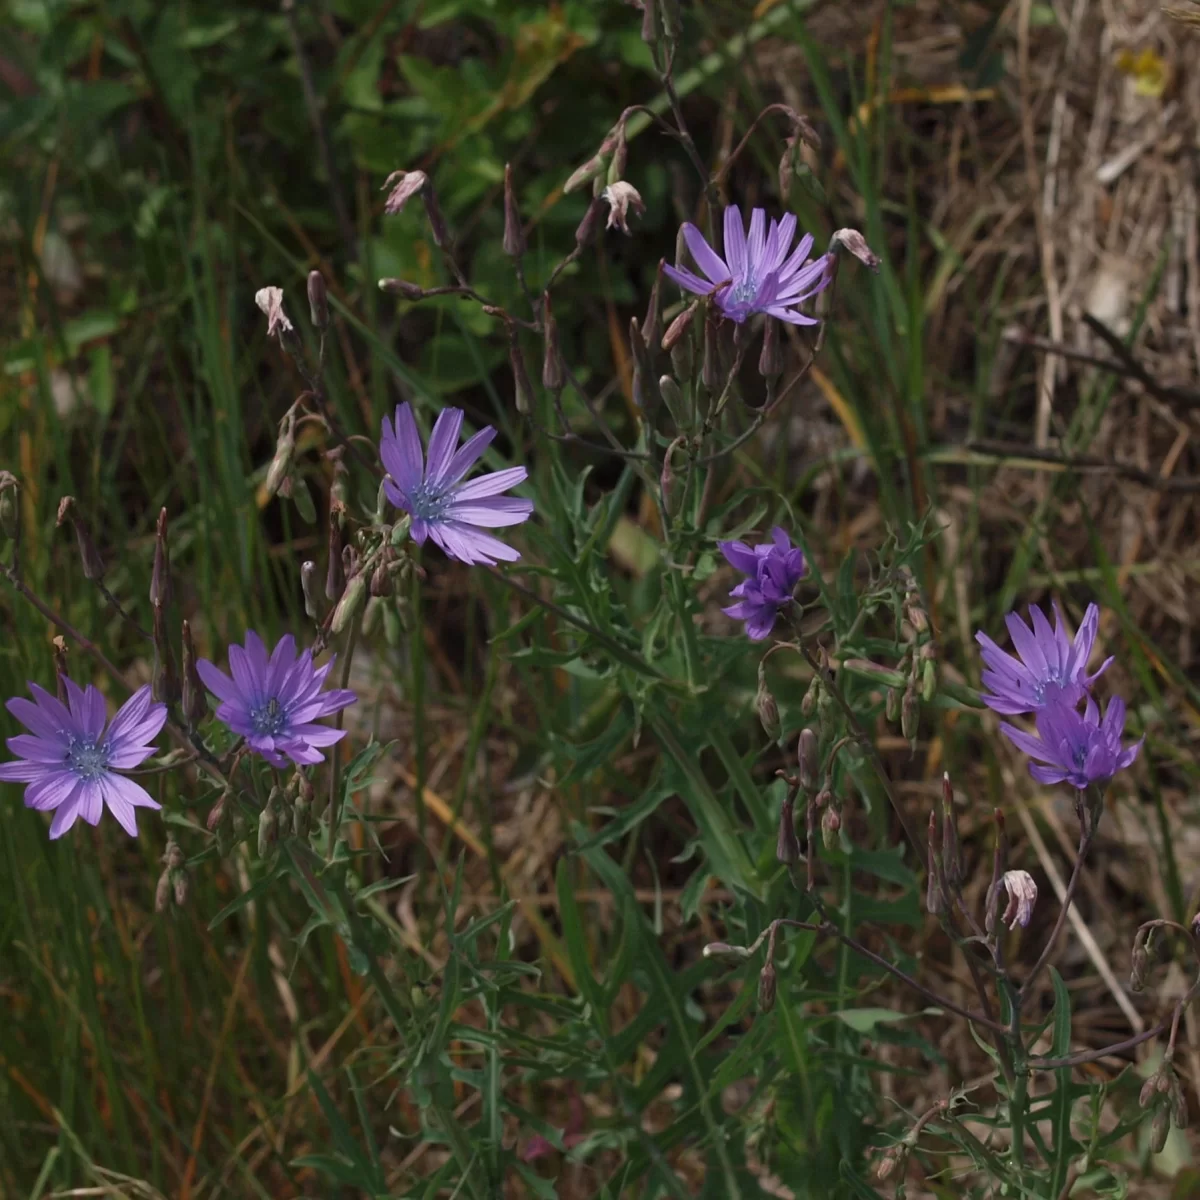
70	763
774	569
756	275
441	505
1076	748
273	703
1047	657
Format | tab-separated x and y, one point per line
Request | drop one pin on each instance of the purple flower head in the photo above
274	702
431	490
774	569
757	274
1050	664
1076	747
70	761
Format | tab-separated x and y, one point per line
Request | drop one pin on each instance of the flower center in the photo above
428	501
268	718
86	759
744	291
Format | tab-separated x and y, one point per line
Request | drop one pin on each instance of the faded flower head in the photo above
1050	665
270	300
431	490
274	702
70	761
757	274
621	197
407	185
1074	747
1022	896
774	569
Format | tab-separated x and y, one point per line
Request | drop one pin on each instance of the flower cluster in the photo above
773	570
1049	679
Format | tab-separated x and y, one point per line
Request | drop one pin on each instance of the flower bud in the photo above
553	376
318	301
514	233
723	950
194	697
767	709
831	824
268	831
1179	1108
89	556
407	185
910	713
1022	896
1159	1129
787	844
928	681
668	389
770	360
350	603
892	1160
335	575
182	886
621	197
172	855
302	816
162	893
767	984
522	388
402	287
678	327
166	681
650	22
891	708
285	456
218	812
808	753
313	606
1149	1090
160	575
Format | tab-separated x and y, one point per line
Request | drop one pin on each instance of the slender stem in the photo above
116	606
1085	842
337	798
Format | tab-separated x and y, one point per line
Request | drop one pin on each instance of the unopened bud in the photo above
787	844
194	697
723	950
809	703
910	713
668	389
162	893
553	376
522	388
1179	1108
285	456
160	575
928	681
318	301
891	1161
302	815
678	327
402	287
591	219
89	556
808	754
767	985
335	575
767	709
166	681
514	234
218	812
182	886
650	31
770	360
268	831
891	707
350	603
313	606
831	824
1159	1129
1149	1090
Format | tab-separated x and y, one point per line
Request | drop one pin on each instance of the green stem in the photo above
337	800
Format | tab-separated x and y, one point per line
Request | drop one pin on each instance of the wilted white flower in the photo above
270	300
1022	896
622	196
408	184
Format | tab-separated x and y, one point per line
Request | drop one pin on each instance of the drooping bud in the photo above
770	360
318	301
553	375
522	388
350	603
402	287
767	985
621	197
285	455
1159	1129
831	824
787	844
808	753
195	699
856	244
407	185
166	681
951	850
313	606
89	556
514	233
724	950
160	576
766	707
1022	896
335	577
